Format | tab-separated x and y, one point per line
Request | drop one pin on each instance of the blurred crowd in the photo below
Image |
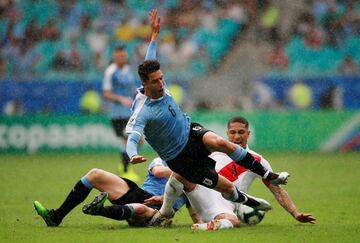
324	40
74	39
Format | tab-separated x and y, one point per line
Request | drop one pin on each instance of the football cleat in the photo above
281	179
98	202
46	214
263	204
161	220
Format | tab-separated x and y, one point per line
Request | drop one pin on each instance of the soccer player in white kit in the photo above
210	205
238	132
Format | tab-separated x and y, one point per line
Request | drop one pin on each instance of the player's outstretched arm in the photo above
285	201
155	29
131	148
154	24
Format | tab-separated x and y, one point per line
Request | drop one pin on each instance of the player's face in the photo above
120	57
238	133
154	87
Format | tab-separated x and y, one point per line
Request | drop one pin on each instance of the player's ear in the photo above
143	82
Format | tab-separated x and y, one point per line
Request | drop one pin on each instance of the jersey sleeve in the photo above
132	144
151	51
154	163
107	85
138	119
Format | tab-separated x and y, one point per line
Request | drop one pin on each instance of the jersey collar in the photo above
141	92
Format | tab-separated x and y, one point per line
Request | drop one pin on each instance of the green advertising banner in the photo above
295	131
56	133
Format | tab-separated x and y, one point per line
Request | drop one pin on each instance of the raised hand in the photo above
154	21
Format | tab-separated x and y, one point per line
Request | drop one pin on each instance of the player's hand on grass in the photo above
154	200
137	159
305	218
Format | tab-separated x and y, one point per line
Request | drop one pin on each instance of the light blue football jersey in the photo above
120	82
156	185
165	127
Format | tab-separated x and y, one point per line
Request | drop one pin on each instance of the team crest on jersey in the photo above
208	182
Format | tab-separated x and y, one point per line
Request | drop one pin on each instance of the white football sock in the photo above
225	224
173	190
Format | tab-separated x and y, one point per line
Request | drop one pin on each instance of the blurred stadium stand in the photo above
52	50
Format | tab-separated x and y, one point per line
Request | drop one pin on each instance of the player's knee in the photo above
95	174
139	208
175	185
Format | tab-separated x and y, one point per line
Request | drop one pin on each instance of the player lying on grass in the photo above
125	195
214	211
184	145
206	205
238	132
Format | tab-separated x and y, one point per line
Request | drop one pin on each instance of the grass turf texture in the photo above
323	184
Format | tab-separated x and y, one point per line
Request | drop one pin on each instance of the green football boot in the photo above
98	202
46	214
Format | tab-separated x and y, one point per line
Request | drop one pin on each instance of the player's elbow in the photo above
158	173
161	172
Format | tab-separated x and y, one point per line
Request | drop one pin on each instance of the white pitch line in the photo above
332	143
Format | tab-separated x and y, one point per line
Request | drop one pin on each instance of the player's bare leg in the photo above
95	178
107	182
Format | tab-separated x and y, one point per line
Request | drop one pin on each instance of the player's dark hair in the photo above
238	119
120	48
146	68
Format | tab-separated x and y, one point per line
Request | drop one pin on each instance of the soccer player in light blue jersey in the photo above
119	90
184	145
129	202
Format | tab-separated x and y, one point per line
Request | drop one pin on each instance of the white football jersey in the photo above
238	175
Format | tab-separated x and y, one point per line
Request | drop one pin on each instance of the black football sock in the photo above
246	160
249	162
242	198
75	197
237	196
117	212
126	160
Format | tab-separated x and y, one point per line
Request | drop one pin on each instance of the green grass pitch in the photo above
326	185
